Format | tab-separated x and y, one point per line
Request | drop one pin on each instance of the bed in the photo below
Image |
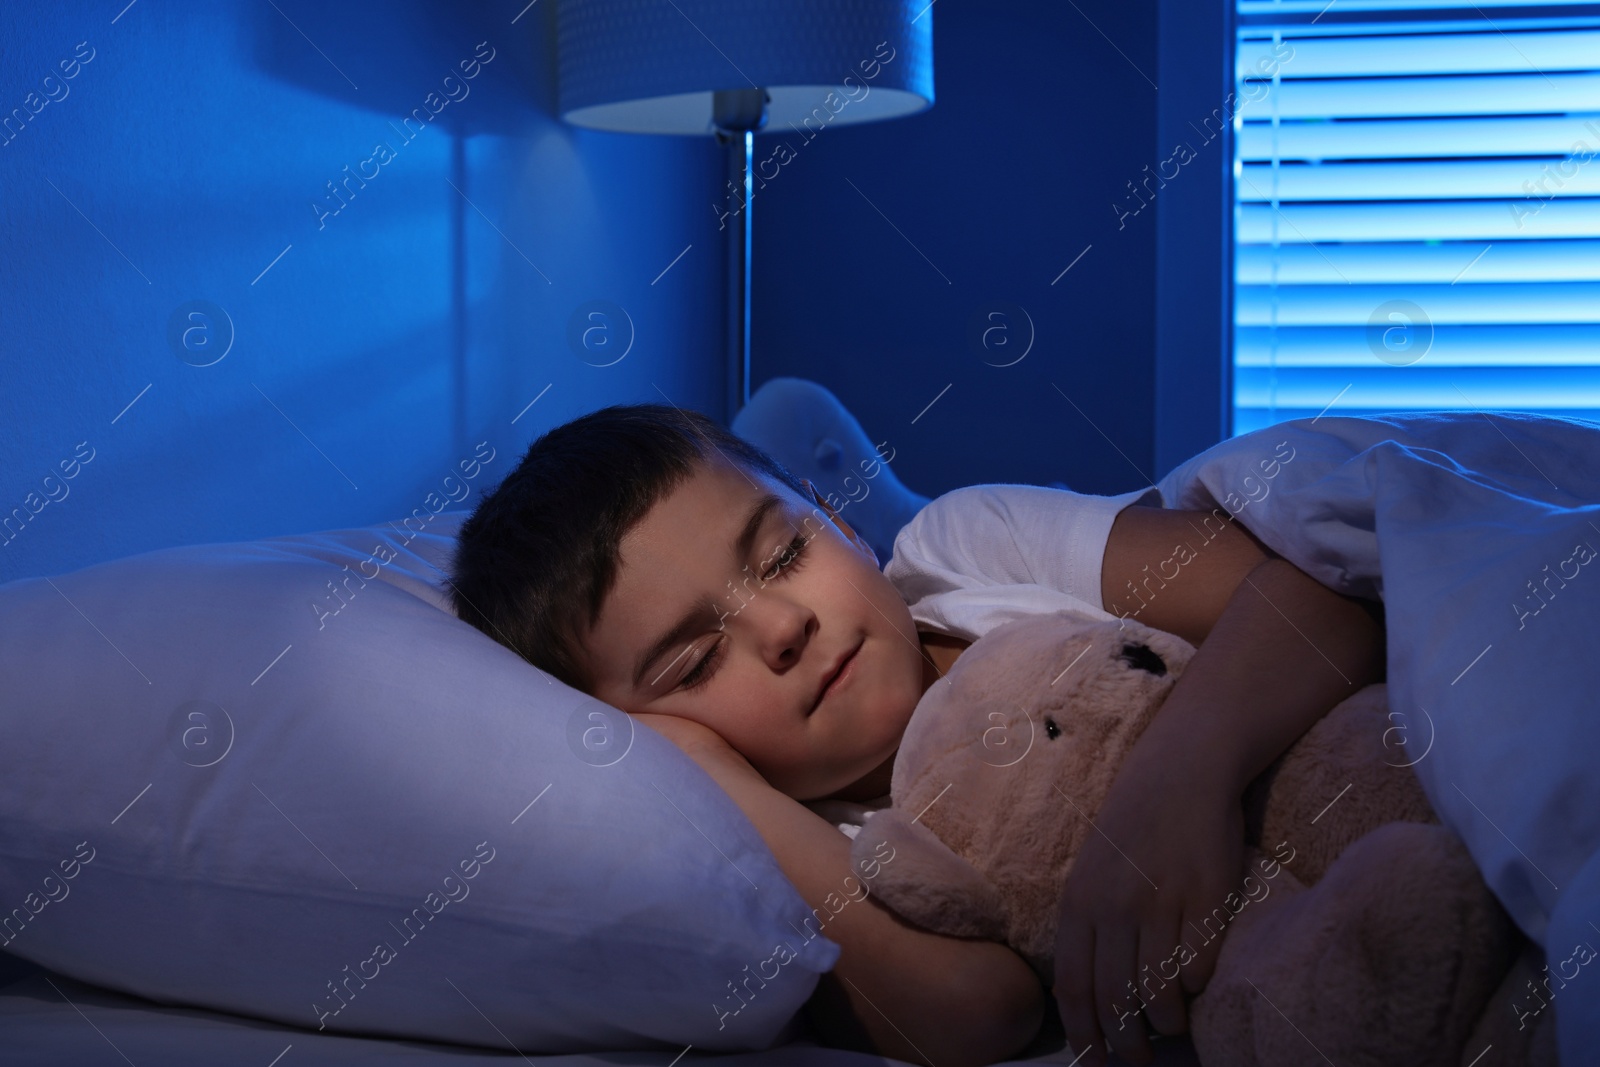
47	1020
1458	502
315	758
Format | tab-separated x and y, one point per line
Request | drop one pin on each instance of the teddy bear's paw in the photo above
1389	959
919	877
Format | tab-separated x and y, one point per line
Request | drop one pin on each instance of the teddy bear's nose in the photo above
1140	657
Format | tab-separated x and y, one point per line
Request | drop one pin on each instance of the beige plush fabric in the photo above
1363	932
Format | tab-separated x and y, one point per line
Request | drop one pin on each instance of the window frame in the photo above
1194	234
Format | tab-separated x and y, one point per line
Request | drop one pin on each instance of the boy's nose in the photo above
782	629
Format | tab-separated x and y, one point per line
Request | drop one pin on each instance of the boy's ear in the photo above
855	538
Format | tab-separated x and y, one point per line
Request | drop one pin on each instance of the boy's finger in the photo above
1116	952
1074	992
1206	944
1158	962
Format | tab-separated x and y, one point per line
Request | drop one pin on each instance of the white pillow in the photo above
281	778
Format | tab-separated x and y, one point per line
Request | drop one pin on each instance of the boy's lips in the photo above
837	676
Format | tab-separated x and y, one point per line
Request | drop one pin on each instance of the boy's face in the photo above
769	617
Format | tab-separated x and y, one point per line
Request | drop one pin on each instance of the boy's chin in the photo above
872	783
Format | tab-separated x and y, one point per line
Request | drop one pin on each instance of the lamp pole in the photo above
736	115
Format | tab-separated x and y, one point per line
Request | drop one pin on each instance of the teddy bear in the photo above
1361	934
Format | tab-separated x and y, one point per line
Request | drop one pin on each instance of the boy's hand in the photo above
697	740
1276	650
1181	830
680	731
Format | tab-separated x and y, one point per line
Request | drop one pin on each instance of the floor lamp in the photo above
730	69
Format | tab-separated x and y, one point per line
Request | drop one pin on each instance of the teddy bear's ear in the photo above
919	877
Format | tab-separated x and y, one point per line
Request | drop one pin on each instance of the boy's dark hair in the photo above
539	554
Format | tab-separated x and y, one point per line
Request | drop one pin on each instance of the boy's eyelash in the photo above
702	671
794	551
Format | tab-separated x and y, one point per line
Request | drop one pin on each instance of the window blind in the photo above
1417	208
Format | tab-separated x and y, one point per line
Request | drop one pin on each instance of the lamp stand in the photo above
736	115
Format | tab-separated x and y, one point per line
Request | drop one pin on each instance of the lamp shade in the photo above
652	66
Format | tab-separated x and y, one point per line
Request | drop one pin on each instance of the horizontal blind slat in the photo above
1578	175
1443	53
1419	386
1257	141
1520	219
1402	261
1255	418
1313	305
1485	94
1255	8
1449	345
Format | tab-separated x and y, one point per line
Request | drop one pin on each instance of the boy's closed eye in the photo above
788	561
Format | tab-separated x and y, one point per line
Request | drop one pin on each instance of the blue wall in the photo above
376	342
878	246
394	333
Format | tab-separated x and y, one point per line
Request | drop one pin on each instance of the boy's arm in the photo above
896	990
1276	650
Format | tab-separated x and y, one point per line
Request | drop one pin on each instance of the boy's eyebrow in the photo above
695	616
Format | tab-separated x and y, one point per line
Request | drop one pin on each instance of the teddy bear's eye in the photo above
1051	730
1141	658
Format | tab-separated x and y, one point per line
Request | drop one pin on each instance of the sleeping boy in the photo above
652	559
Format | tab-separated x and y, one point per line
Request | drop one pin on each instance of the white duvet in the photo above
1480	532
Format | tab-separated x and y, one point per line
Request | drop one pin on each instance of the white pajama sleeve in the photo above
982	555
